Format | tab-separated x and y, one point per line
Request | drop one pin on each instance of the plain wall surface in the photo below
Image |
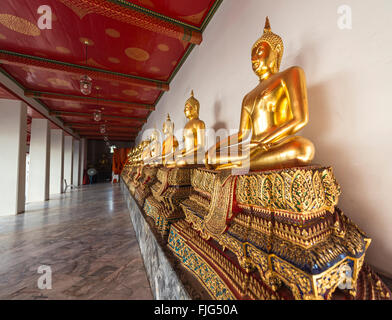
76	163
39	170
349	90
56	161
13	128
68	159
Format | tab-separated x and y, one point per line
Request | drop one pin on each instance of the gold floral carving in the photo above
112	33
19	25
302	191
221	204
137	54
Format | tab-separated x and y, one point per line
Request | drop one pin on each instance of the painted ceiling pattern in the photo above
130	49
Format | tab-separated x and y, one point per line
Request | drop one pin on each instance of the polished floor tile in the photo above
87	239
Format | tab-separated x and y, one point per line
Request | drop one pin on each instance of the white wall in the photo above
76	163
349	87
13	126
68	159
56	161
39	169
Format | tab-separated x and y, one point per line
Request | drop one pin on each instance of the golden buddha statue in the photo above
275	110
153	150
194	136
170	144
143	151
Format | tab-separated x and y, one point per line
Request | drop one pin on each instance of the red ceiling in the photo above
114	46
188	11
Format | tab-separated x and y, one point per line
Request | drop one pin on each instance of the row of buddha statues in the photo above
272	113
249	234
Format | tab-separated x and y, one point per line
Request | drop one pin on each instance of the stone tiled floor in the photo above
87	239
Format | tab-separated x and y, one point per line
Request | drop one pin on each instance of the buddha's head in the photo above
154	135
192	106
168	126
267	52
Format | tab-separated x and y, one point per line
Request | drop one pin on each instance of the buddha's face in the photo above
264	59
190	111
167	127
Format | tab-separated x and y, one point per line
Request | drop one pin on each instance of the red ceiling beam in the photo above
54	96
132	14
88	124
93	133
90	115
79	125
21	60
110	138
109	126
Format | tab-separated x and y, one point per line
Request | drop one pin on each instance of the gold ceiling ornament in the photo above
155	69
128	111
78	11
130	92
63	50
19	25
147	3
163	47
40	54
112	33
92	62
137	54
274	41
195	18
114	60
114	84
56	82
72	105
86	41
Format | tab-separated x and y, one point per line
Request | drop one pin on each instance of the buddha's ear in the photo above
278	48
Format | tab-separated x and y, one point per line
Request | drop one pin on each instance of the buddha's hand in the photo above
265	146
205	160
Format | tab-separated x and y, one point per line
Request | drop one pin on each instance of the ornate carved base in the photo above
264	235
173	186
282	223
216	271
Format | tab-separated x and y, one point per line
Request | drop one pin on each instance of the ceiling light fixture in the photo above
97	115
97	112
86	82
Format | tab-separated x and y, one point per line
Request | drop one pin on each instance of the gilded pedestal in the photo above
279	229
173	185
145	181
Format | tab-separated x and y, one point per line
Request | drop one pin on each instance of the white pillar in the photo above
13	125
39	161
56	161
83	158
68	158
76	163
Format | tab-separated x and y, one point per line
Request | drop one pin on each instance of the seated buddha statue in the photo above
272	113
193	136
143	152
169	144
153	150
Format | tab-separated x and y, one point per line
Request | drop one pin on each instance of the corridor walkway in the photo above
85	237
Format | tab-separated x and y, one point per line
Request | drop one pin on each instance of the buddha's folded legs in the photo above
292	151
